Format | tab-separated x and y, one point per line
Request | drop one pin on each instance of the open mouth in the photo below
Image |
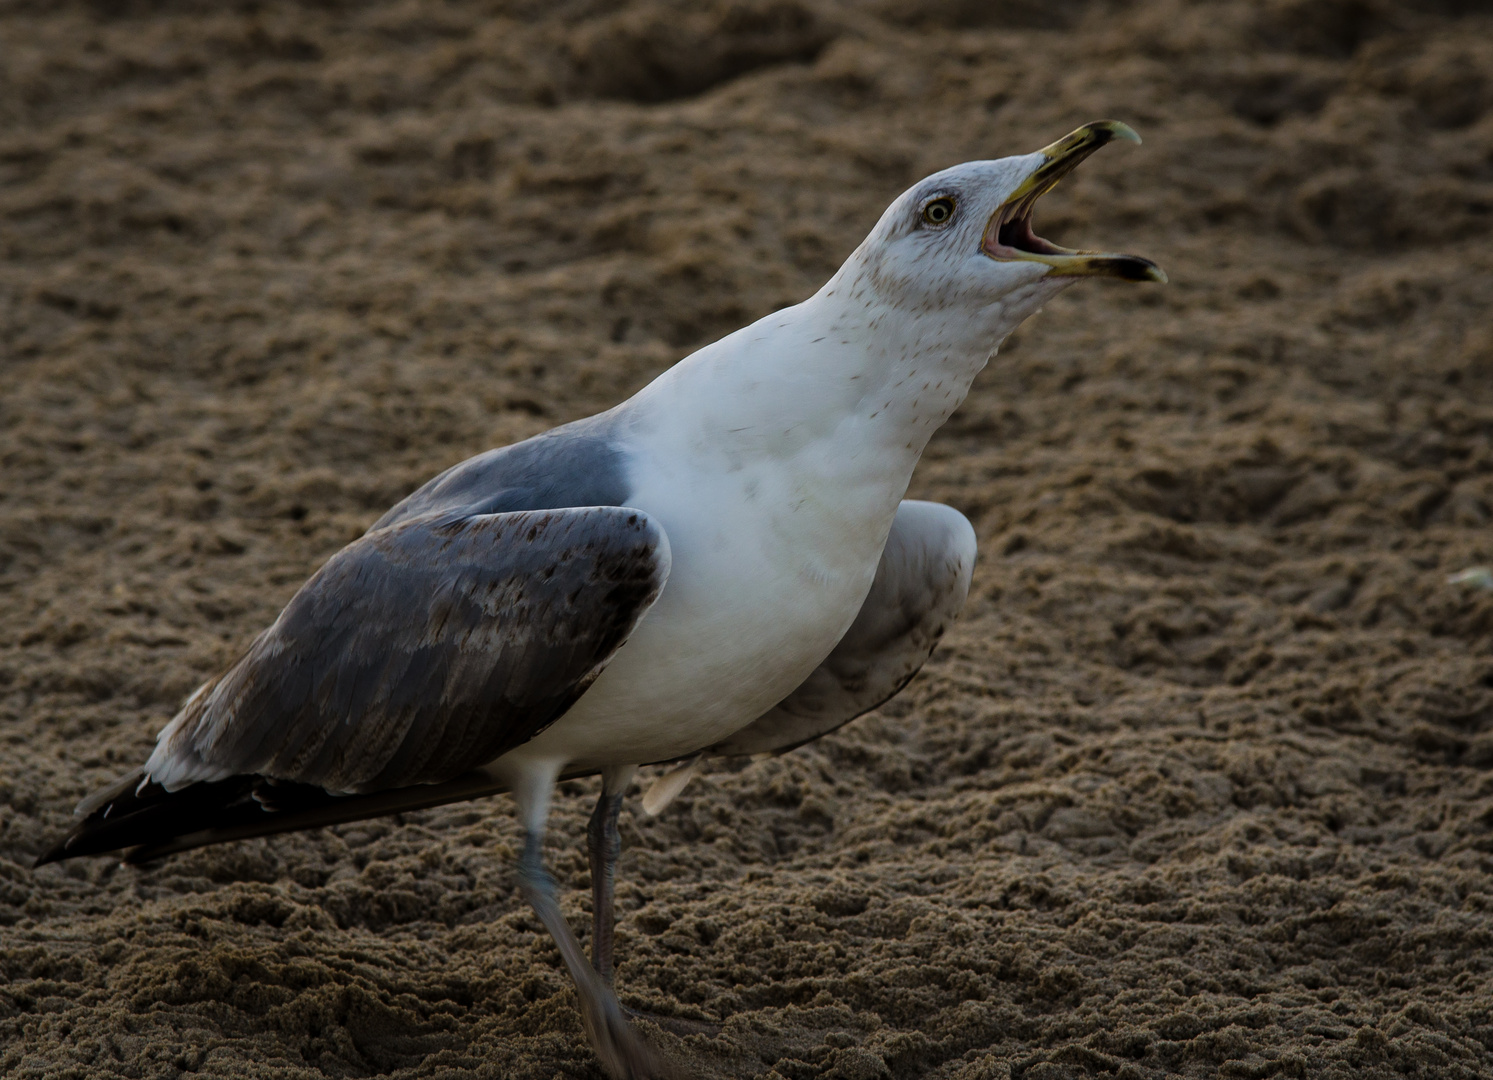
1009	235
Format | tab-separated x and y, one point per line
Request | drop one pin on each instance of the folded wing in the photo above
420	651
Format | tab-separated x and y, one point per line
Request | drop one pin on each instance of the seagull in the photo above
723	564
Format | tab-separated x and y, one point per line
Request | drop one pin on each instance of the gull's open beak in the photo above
1009	234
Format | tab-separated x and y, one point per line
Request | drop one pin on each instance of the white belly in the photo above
770	567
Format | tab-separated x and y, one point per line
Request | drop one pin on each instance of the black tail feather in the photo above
153	822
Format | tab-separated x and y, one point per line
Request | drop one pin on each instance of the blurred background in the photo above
1198	786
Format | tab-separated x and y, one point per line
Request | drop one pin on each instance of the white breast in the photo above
770	565
775	465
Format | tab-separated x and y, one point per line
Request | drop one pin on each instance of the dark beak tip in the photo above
1120	267
1135	268
1107	131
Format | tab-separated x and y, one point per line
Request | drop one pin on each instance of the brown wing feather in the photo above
417	654
425	649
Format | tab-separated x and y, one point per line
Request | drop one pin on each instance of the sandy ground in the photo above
1200	784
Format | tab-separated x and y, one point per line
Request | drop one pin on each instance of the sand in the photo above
1200	784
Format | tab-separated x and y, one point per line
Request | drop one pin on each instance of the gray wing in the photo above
920	586
577	464
423	649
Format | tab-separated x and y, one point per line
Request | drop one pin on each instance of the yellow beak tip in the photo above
1120	130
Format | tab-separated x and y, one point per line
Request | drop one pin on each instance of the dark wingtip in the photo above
56	853
145	853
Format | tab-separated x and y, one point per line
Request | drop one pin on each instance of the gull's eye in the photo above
939	212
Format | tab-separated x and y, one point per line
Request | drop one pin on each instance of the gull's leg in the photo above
623	1052
604	843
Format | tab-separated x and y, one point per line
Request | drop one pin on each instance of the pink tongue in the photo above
1018	234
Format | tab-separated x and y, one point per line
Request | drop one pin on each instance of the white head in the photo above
959	243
